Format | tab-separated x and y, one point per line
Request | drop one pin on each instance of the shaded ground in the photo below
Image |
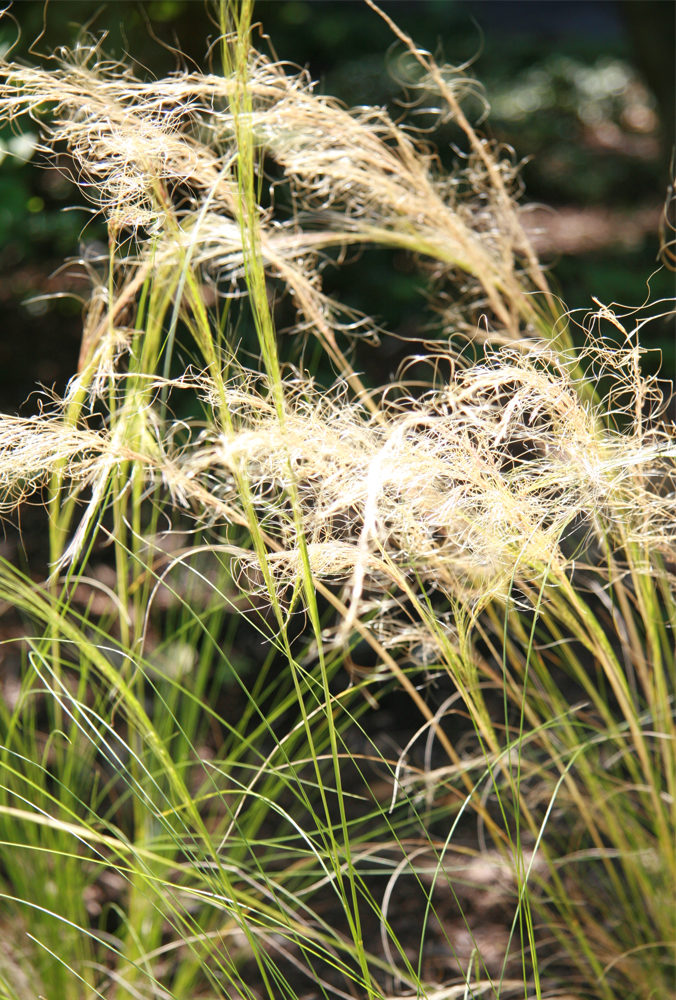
572	230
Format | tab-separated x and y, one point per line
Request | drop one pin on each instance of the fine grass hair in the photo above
251	549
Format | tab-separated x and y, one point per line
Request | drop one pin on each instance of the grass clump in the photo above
245	559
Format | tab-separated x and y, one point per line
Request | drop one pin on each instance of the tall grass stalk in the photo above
196	796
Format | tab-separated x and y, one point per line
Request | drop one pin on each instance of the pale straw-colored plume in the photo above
459	489
160	158
498	476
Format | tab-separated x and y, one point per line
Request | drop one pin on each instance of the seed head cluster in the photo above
509	470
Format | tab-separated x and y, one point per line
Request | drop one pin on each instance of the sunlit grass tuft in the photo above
246	558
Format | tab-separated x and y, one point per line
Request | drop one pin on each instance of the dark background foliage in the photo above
583	93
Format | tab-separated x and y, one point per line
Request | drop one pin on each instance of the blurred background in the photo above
582	92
